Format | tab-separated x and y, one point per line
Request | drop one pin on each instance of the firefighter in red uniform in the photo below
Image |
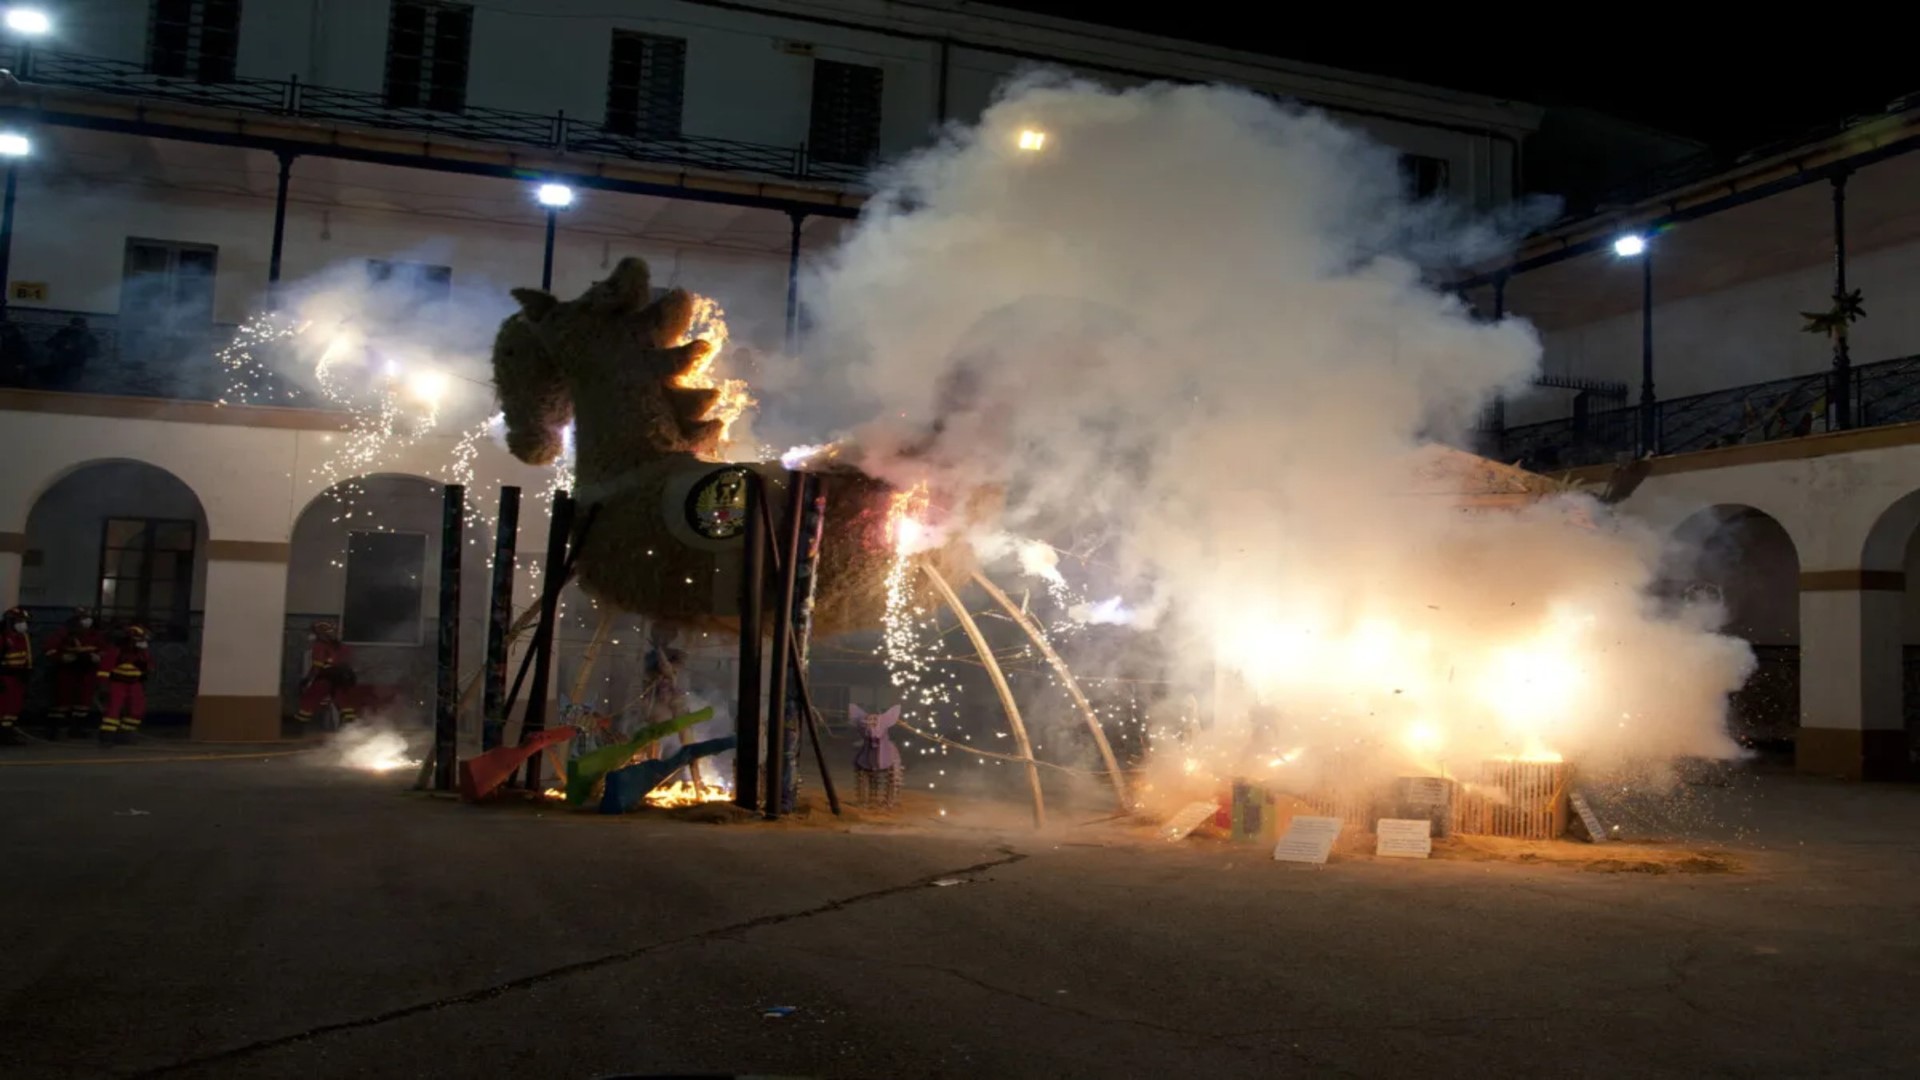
74	652
330	677
16	665
125	667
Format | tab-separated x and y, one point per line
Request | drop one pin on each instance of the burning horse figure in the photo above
877	769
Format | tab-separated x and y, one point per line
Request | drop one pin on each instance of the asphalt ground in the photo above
271	914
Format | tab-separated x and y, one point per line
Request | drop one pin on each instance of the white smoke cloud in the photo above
1195	324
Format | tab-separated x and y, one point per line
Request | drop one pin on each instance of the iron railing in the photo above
1887	392
39	350
556	132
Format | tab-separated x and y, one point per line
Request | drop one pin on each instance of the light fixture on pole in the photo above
1031	140
13	147
555	197
1634	246
28	21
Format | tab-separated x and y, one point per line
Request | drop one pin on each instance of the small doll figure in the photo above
877	769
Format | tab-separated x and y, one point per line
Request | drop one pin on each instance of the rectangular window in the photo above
845	125
146	574
1423	176
386	585
168	285
646	85
193	39
428	45
427	282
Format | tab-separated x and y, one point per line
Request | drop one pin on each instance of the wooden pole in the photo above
559	531
787	566
999	684
753	587
1066	679
500	615
446	726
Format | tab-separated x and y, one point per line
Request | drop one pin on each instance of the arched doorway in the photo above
365	556
1890	607
1745	559
128	539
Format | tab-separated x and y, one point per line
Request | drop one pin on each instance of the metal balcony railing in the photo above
291	97
1887	392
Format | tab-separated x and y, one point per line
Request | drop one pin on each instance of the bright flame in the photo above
428	386
907	530
804	455
1032	139
681	793
710	325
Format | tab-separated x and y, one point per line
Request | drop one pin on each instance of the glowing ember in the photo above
378	751
907	529
710	324
806	455
553	793
681	793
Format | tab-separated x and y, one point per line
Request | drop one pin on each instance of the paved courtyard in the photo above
274	916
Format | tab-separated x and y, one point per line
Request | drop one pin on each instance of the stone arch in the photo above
1889	564
364	553
130	538
1747	560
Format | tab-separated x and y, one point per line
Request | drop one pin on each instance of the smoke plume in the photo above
1197	326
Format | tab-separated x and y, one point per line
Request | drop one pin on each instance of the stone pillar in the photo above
12	546
241	642
1852	723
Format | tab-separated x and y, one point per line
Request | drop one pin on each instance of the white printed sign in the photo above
1426	793
1308	840
1190	817
1596	832
1400	838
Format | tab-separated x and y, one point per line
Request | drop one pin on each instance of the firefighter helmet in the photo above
14	615
136	633
325	629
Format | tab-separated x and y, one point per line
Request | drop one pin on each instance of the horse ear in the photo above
535	304
891	716
856	713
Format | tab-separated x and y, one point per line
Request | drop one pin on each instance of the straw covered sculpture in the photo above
622	367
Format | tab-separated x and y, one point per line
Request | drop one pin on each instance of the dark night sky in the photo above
1774	80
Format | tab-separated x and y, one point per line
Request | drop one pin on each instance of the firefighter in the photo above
74	652
124	667
330	675
16	665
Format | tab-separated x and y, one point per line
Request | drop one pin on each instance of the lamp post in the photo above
1634	246
555	197
24	23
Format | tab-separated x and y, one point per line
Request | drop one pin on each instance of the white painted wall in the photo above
745	83
64	529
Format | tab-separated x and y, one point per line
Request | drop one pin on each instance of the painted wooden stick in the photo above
1039	639
999	684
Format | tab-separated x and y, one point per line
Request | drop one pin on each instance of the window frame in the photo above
818	122
346	584
193	60
180	618
422	86
635	121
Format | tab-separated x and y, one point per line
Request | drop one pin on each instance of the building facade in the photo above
192	163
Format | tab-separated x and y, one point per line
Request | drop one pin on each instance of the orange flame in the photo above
907	530
710	324
681	793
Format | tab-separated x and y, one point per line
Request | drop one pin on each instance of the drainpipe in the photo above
940	92
279	230
6	236
314	30
793	286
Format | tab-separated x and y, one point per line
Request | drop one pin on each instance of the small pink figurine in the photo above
877	769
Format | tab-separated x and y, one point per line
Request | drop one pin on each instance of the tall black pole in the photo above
797	714
446	727
279	228
753	588
546	263
793	283
6	235
499	617
1497	415
777	727
1649	422
553	579
1840	393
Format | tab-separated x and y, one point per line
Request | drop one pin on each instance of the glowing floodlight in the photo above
28	22
14	145
554	196
1630	245
1032	139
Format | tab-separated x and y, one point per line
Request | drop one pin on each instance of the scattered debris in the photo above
942	883
778	1012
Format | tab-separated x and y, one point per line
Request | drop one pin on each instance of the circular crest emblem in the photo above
717	505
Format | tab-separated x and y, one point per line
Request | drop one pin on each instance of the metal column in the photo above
798	712
279	228
500	615
6	236
1649	419
1840	385
446	727
793	283
746	751
1497	415
546	262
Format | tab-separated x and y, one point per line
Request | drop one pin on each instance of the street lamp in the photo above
1032	140
28	22
555	197
13	147
1634	246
